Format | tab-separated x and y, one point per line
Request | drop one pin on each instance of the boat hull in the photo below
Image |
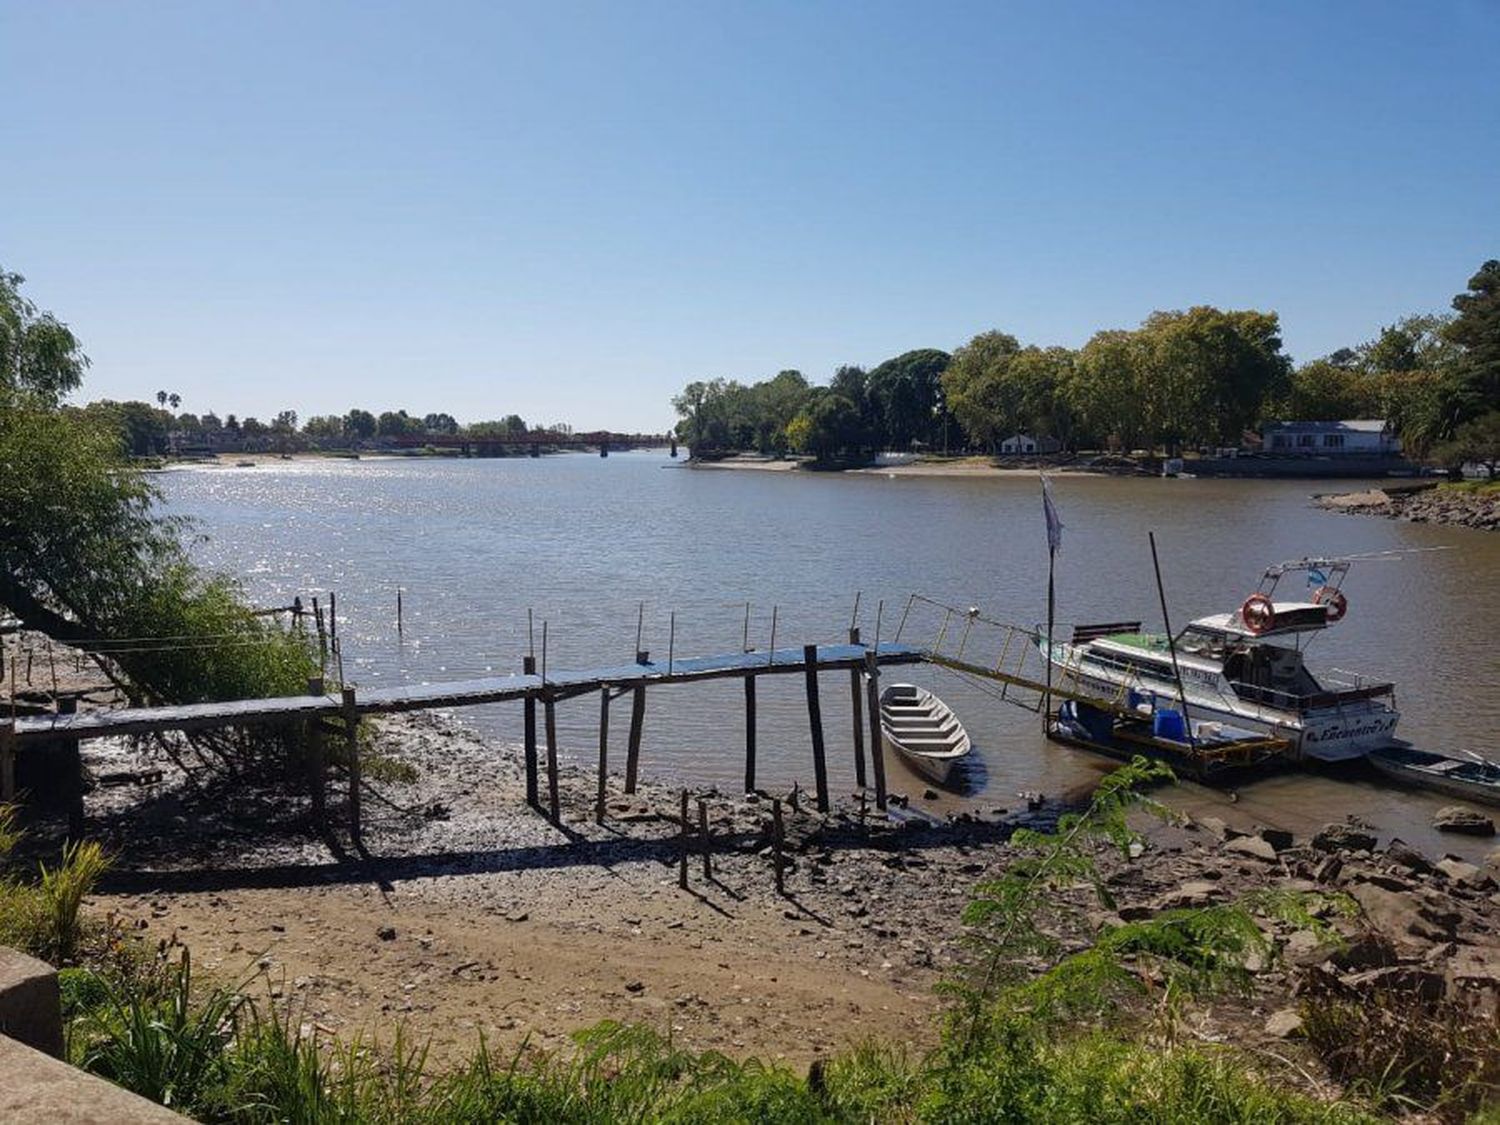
1412	773
922	731
1332	734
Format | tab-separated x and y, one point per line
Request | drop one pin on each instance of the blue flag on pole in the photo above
1054	521
1316	577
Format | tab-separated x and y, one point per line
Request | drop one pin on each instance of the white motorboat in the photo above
923	731
1243	668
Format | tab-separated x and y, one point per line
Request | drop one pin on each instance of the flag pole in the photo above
1051	615
1054	539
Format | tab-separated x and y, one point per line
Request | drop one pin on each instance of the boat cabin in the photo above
1222	652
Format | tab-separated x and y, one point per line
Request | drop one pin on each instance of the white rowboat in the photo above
923	730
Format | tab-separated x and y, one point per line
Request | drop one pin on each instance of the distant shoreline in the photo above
958	467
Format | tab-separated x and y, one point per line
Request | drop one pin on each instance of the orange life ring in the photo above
1332	600
1258	613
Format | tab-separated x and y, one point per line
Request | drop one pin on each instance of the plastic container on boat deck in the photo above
1168	724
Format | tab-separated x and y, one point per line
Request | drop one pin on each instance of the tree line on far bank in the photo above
147	430
1184	379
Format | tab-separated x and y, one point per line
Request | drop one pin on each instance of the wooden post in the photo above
856	705
549	707
398	611
528	711
637	721
351	732
312	731
8	761
682	845
72	767
815	722
708	868
603	751
872	709
749	734
777	838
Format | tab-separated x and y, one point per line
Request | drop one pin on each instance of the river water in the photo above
583	542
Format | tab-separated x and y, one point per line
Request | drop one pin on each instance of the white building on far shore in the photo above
1368	437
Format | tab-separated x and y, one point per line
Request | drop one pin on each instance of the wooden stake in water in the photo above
398	611
771	652
671	642
856	707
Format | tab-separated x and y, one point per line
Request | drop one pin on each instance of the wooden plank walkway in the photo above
460	693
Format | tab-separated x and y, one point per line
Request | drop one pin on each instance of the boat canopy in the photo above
1290	617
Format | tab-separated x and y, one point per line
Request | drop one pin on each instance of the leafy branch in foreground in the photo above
1023	969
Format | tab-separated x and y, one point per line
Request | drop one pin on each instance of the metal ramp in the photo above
1012	656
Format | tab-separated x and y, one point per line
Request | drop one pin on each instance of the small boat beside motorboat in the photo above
1469	779
923	731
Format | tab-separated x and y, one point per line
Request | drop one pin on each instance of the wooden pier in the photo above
317	709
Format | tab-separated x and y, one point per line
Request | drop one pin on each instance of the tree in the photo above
285	422
324	426
38	353
1322	391
396	423
175	400
1476	330
1476	441
1106	391
440	424
210	422
85	557
907	391
161	398
232	425
978	390
253	427
1208	372
360	424
140	428
829	427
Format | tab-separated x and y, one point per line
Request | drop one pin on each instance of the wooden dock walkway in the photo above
558	686
319	713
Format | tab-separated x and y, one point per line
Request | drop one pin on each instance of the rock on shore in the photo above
1459	507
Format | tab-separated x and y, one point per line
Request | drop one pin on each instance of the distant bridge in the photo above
533	442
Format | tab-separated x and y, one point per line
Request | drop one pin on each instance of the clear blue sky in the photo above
568	210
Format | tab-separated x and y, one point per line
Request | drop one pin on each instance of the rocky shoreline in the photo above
465	913
1478	508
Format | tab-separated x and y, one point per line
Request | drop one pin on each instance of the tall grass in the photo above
45	918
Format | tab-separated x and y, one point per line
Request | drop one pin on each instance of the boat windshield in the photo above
1207	643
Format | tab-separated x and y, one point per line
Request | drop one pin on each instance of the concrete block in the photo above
30	1005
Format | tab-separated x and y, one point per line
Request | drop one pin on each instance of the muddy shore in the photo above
468	913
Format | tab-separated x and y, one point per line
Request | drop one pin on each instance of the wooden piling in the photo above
317	775
815	723
778	837
637	721
72	770
603	752
872	713
749	734
528	712
856	707
7	761
703	837
351	732
549	708
682	845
